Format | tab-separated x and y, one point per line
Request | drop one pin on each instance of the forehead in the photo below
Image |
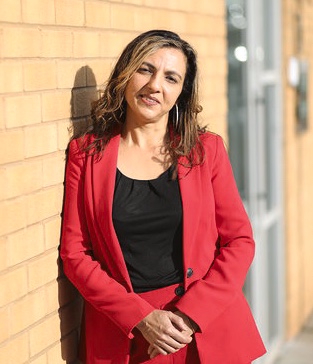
169	58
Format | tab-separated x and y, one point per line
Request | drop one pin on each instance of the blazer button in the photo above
179	291
189	272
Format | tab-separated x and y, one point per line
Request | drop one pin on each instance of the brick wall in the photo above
298	169
55	54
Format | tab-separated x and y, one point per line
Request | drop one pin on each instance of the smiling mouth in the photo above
149	100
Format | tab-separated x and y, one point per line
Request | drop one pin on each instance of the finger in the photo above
179	322
159	350
150	349
180	337
173	338
158	327
152	356
154	353
188	321
189	332
169	345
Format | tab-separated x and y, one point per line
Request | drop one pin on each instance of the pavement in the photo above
298	350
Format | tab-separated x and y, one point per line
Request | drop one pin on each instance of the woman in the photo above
155	236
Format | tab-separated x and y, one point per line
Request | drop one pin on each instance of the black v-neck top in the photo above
147	217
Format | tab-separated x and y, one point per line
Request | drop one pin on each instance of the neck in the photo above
145	135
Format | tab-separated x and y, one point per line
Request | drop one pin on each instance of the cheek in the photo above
173	95
132	89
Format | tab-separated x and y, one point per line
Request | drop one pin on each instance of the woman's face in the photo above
154	88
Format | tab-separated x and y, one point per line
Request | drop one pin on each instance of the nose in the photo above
154	83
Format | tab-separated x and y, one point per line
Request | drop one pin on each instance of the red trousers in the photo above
162	299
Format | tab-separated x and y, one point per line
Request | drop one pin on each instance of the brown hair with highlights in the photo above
108	113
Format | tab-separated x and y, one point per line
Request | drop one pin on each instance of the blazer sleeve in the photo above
108	296
208	297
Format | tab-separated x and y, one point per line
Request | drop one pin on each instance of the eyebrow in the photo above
167	72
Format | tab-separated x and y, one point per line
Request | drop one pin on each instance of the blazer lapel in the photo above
104	174
189	187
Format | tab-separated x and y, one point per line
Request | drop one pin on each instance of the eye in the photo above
144	70
171	79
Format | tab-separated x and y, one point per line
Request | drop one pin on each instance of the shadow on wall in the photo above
84	91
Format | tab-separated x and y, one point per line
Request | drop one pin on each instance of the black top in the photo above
147	217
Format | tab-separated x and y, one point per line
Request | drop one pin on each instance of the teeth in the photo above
149	99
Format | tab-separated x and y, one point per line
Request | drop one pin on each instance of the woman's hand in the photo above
165	331
192	328
188	321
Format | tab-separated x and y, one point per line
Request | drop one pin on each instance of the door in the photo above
255	145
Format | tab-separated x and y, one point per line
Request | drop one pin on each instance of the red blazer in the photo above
217	245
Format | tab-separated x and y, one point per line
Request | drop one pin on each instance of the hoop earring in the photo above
176	122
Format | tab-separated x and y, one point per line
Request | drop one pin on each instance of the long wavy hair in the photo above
108	114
